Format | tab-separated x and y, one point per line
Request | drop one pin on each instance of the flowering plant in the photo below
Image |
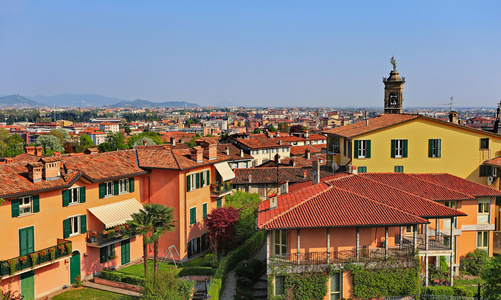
23	259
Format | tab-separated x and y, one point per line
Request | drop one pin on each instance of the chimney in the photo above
51	168
173	141
34	171
241	152
197	154
280	142
8	160
307	154
212	151
273	201
39	150
315	172
57	154
250	178
366	122
453	117
304	174
286	187
292	163
277	159
30	150
227	151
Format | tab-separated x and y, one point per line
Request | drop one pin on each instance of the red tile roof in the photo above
459	184
269	175
300	150
374	124
496	162
261	141
165	157
234	152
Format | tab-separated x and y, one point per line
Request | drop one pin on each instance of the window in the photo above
483	211
486	171
362	149
265	151
107	253
123	186
108	188
434	148
409	229
279	285
280	242
193	215
193	181
362	170
335	286
447	222
484	143
399	169
74	225
204	210
204	178
399	148
74	195
483	239
193	246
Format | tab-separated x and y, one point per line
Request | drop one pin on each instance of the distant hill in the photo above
75	100
145	103
18	101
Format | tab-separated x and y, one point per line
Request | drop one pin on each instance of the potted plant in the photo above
68	248
12	266
34	259
113	256
23	259
52	253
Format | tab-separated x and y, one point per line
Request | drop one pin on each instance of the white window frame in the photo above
399	148
483	211
25	206
447	222
109	189
362	148
110	251
480	242
123	186
334	293
280	241
75	222
193	183
73	195
265	151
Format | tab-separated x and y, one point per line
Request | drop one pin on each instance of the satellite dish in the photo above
489	180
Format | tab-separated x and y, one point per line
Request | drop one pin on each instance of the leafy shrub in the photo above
215	288
165	285
462	291
249	269
111	275
308	286
437	290
210	260
475	262
135	280
195	271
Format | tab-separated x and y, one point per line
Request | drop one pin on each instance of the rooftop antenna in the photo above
450	103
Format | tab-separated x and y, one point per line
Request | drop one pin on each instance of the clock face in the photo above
392	100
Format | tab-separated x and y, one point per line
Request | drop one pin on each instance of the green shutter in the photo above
198	181
392	148
83	224
188	183
405	148
103	254
355	155
131	185
204	210
439	147
36	203
219	202
82	194
193	215
15	207
102	190
66	198
115	188
202	179
430	148
208	177
368	152
66	228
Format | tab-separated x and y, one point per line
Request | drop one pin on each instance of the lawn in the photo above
138	269
470	283
91	294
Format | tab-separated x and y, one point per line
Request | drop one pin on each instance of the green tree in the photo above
114	141
283	127
163	222
475	262
257	130
492	277
15	145
127	129
272	128
246	205
50	143
142	224
86	141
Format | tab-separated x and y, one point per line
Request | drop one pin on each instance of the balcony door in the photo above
125	251
28	285
280	242
74	266
26	240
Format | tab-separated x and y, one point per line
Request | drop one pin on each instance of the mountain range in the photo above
84	100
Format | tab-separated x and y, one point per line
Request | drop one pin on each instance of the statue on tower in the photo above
393	61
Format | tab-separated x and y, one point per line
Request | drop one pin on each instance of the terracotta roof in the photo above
322	205
261	141
301	161
269	175
103	166
300	150
378	123
291	138
496	162
459	184
317	137
173	158
234	151
414	185
25	157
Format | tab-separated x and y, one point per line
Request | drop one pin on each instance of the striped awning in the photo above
117	213
225	171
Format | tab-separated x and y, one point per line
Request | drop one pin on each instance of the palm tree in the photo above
142	224
163	221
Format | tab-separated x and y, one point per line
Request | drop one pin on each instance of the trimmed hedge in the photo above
121	277
195	271
447	291
230	261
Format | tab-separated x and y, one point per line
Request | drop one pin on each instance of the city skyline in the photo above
253	53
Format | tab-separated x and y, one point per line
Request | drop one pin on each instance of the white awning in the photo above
117	213
225	171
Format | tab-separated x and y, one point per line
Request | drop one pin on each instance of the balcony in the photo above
318	261
220	189
35	260
107	237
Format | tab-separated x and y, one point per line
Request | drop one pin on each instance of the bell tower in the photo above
393	91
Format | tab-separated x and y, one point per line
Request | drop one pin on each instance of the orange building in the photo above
348	218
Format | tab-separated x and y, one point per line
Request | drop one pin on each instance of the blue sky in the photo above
252	53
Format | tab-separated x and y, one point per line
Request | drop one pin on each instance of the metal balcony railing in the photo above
107	236
220	188
34	259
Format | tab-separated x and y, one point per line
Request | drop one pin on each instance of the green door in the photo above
28	285
125	251
26	241
74	266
